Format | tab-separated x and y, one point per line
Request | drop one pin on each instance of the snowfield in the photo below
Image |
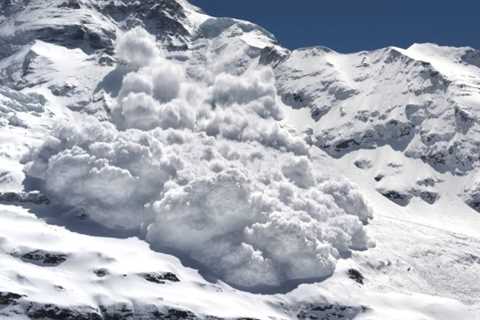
157	162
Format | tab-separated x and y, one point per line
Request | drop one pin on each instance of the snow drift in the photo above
206	171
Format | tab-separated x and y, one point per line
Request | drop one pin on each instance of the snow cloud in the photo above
137	48
205	171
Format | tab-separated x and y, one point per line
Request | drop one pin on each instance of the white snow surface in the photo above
171	145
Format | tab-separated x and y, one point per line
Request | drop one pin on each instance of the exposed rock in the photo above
102	272
33	197
429	197
471	195
474	204
120	311
65	90
175	314
53	312
427	182
9	298
330	312
44	258
318	112
346	145
355	275
160	278
165	19
399	197
464	120
403	197
272	56
363	164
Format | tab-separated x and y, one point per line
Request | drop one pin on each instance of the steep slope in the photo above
422	101
171	140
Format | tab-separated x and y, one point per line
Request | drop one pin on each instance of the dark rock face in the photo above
318	112
355	275
70	36
163	18
71	4
121	311
77	36
429	197
403	198
118	312
391	132
464	120
475	205
102	272
472	57
400	198
44	258
298	100
471	197
330	312
24	197
427	182
173	314
66	90
53	312
160	278
346	144
9	298
363	164
9	7
271	56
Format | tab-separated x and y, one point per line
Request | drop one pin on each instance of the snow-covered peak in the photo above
408	98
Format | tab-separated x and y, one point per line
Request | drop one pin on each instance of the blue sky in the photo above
354	25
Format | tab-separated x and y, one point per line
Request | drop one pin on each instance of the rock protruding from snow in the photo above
33	197
471	194
160	278
330	311
44	258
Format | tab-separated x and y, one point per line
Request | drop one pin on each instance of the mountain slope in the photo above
150	127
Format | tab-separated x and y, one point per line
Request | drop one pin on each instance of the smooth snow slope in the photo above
400	124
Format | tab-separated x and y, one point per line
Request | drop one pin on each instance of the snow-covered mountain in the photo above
157	162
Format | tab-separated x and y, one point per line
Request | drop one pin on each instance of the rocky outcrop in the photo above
403	197
160	277
330	312
9	298
12	305
44	258
33	197
165	19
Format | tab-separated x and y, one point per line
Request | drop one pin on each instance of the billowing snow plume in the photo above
205	171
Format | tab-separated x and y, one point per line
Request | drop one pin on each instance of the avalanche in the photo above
204	171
